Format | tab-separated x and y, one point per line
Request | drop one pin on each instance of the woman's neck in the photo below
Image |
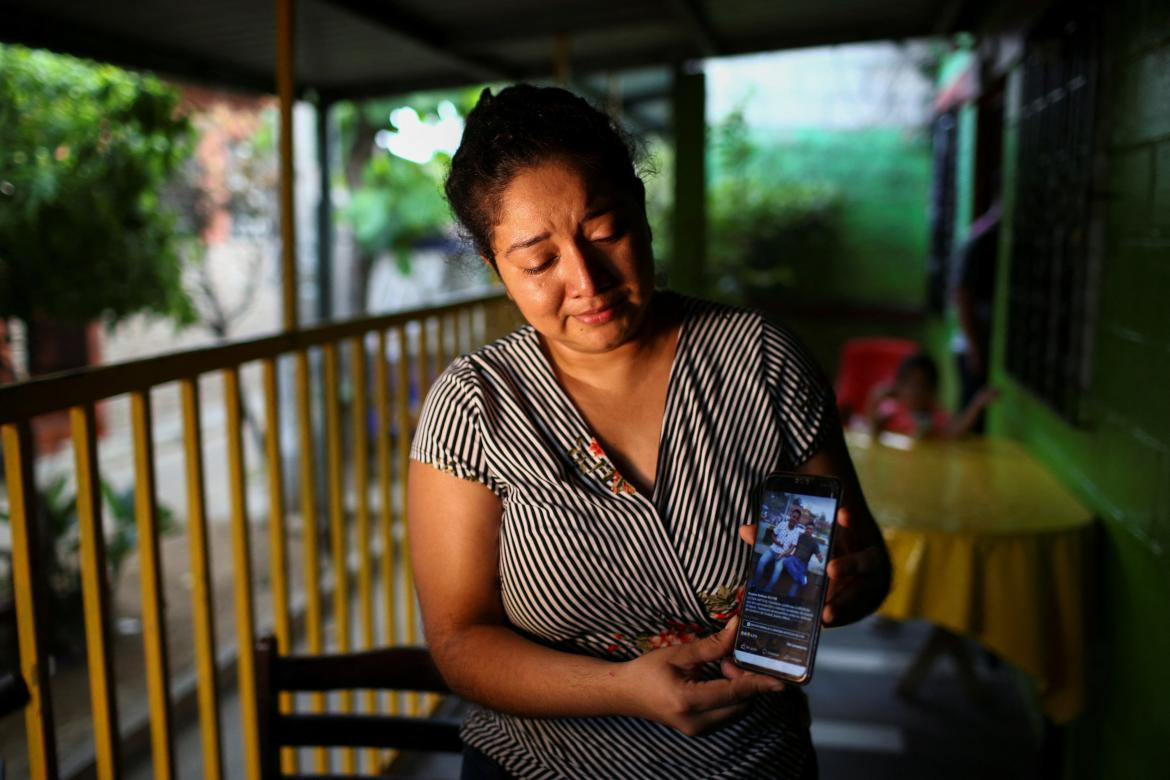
621	367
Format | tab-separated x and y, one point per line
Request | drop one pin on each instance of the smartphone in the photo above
780	619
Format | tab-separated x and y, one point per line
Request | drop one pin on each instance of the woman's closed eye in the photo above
541	267
611	230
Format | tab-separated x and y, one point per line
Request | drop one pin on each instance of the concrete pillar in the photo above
689	101
324	217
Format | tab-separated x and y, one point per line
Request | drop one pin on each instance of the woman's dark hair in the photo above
919	361
522	126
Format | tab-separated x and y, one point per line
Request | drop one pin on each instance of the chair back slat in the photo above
392	668
401	732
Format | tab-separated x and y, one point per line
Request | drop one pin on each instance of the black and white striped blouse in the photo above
590	565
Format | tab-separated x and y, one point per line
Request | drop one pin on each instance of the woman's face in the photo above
574	254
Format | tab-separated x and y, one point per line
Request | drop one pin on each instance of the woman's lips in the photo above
597	316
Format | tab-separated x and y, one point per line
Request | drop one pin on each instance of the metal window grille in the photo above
944	140
1051	307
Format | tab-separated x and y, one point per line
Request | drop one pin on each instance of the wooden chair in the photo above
392	668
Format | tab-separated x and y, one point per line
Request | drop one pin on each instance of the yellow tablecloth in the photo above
986	543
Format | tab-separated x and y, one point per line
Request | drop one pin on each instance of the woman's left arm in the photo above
859	565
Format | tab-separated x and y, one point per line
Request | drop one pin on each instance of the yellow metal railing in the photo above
430	335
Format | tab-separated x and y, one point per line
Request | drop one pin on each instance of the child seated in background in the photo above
909	404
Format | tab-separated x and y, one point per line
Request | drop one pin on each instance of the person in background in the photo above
909	405
973	292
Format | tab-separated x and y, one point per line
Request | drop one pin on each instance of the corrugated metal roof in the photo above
368	47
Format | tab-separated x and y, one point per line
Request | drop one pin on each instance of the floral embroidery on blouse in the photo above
591	460
721	605
675	633
724	603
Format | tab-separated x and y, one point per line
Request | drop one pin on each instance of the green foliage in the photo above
60	557
399	203
85	153
57	507
393	202
659	181
765	233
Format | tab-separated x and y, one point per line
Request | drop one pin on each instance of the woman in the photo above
578	486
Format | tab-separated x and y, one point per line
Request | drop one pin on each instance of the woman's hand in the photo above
665	685
858	571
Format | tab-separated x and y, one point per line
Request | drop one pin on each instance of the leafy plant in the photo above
85	153
60	552
398	204
766	234
393	203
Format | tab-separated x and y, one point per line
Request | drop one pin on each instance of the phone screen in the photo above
781	615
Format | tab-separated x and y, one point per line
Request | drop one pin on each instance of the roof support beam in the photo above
45	31
694	16
421	34
948	17
285	80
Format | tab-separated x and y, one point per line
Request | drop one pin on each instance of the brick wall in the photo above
1119	462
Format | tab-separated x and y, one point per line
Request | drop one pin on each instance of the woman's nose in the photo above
586	274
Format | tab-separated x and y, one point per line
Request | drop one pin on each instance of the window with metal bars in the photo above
1055	252
944	142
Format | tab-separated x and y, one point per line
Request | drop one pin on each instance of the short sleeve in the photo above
800	393
449	434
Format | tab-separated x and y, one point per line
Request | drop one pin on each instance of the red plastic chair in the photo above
865	363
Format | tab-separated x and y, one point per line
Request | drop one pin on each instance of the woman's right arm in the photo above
454	542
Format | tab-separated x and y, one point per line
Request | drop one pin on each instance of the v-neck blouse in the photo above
589	565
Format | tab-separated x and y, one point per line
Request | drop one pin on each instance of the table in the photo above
987	544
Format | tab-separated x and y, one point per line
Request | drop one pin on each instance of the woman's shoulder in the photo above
504	354
696	309
739	326
718	324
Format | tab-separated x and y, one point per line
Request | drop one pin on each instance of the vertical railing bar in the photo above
440	344
313	619
27	589
362	488
466	330
402	407
337	534
151	582
202	598
385	492
277	536
95	594
242	564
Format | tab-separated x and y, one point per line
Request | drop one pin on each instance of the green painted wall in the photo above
882	176
1119	463
873	281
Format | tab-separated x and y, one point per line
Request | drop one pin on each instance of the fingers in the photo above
748	533
716	694
710	648
844	518
867	561
705	721
733	672
845	593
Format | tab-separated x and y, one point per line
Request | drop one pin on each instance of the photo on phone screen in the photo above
780	619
